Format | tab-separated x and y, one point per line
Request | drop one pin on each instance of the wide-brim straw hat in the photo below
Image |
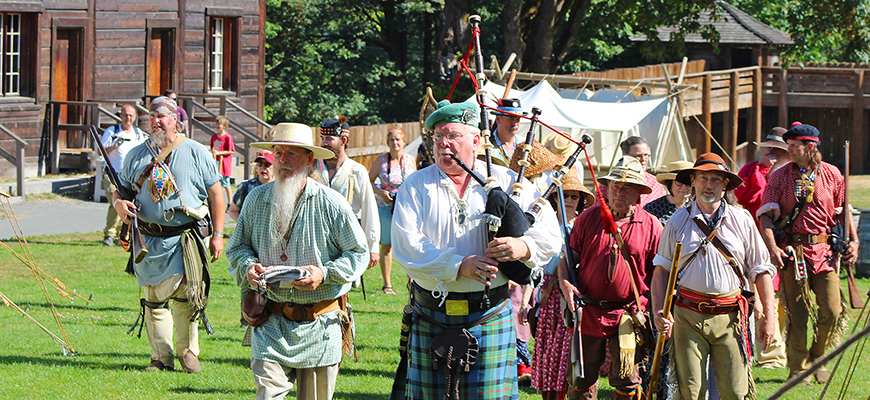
774	139
629	170
297	135
559	144
710	162
540	159
673	169
571	181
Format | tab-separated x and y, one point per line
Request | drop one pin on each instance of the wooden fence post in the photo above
783	98
706	117
729	136
754	133
858	129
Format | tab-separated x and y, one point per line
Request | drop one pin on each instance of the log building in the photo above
60	54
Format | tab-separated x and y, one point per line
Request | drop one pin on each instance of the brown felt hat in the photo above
710	162
774	139
540	159
559	144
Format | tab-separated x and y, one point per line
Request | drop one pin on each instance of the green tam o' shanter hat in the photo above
464	113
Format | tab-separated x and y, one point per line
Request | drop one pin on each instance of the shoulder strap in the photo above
711	233
172	146
618	237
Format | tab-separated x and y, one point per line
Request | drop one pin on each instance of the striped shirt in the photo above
325	233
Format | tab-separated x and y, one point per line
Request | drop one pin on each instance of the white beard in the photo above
284	195
158	137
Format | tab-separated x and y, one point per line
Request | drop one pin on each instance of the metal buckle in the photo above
456	307
705	307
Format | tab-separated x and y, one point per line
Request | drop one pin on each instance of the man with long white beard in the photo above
176	181
298	222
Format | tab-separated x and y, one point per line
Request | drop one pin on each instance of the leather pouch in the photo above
255	308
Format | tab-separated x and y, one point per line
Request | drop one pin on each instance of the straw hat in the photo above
559	144
627	170
540	159
673	168
774	139
297	135
710	162
571	181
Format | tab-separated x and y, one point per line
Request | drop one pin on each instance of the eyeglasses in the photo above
450	137
572	196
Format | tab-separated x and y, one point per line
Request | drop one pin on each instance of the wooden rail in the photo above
16	159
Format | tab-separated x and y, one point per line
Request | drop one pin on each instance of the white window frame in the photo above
217	56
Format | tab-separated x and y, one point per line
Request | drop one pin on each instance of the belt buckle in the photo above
705	307
456	307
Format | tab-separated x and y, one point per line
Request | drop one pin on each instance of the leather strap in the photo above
809	239
706	307
618	236
304	312
722	249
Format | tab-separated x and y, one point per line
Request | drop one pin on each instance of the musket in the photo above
575	357
663	337
137	245
854	297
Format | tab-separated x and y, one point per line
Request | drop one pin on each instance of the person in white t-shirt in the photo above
118	140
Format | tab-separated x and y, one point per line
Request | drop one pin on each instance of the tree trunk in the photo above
513	41
452	38
539	56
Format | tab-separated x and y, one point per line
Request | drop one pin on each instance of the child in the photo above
222	147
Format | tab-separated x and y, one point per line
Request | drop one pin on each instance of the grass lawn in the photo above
109	362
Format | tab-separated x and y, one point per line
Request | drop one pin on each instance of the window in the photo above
17	50
223	70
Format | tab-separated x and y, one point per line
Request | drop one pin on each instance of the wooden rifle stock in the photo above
662	337
854	296
137	245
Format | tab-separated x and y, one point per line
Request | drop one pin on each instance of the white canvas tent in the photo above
607	121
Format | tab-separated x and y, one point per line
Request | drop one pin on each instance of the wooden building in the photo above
109	52
743	40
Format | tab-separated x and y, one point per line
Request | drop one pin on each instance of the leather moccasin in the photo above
190	363
157	365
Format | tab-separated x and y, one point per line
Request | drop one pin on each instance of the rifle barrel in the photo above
662	337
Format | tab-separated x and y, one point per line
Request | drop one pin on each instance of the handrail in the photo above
248	113
241	129
17	158
109	113
721	72
248	136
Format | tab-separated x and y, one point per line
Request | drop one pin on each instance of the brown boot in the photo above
189	363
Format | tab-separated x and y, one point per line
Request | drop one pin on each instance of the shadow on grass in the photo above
244	362
81	361
779	381
66	243
79	305
187	389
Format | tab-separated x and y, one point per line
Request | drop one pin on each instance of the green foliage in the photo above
823	31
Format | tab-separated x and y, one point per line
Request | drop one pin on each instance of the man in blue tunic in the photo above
176	181
295	221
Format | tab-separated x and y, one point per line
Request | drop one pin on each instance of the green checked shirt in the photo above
325	233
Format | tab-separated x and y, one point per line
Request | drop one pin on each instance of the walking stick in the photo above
663	337
576	367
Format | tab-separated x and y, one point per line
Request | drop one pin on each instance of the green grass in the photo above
109	362
859	191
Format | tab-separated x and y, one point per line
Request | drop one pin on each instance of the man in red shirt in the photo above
604	281
816	189
755	174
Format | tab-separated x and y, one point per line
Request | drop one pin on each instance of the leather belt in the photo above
605	304
303	312
809	239
157	230
459	303
708	308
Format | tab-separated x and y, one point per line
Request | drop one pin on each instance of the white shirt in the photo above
429	243
114	134
362	200
708	272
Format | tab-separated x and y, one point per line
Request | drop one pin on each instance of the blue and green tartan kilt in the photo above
493	376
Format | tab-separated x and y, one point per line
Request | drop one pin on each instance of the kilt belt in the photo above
459	303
